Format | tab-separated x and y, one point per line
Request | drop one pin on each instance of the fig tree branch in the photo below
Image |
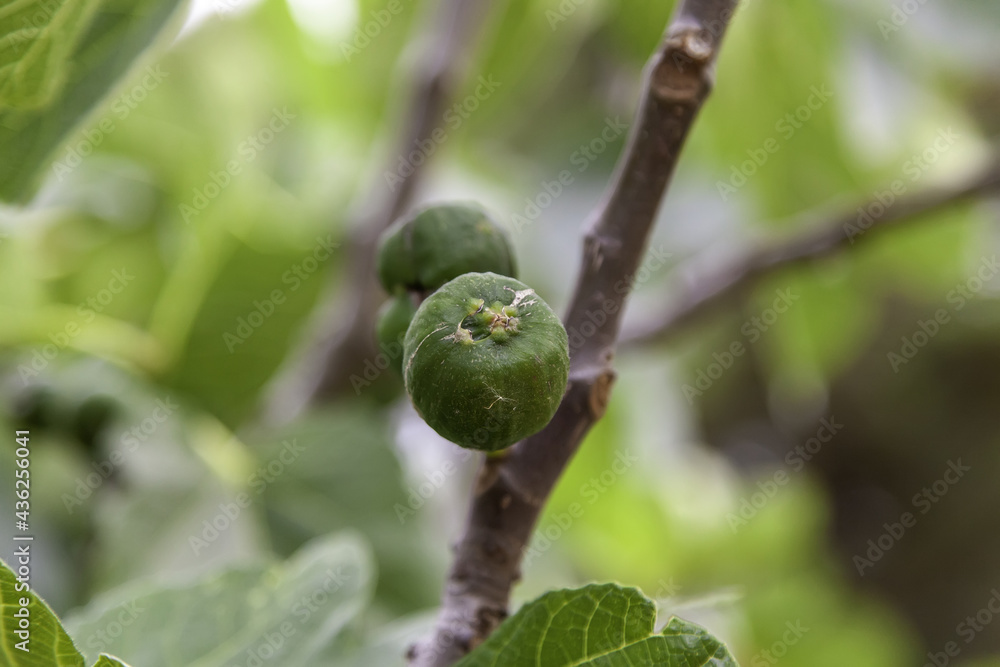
344	339
707	293
512	489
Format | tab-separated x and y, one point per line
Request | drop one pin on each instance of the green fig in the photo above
428	248
390	328
486	361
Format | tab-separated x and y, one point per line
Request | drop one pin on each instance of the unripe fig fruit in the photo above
390	328
485	361
428	248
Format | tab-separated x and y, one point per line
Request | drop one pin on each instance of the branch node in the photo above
600	393
694	46
596	247
681	71
489	619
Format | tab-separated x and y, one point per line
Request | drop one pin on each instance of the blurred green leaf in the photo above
786	153
40	37
68	66
600	625
287	612
347	475
243	323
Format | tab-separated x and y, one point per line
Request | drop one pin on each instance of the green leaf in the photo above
57	60
39	37
347	476
601	626
48	644
289	612
108	661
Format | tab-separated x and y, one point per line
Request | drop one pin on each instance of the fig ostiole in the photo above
485	361
431	246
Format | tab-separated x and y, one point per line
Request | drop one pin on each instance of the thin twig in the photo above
707	293
344	340
511	490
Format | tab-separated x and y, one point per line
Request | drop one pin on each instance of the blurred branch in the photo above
512	488
345	338
843	232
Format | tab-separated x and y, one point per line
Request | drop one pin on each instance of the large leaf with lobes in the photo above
601	625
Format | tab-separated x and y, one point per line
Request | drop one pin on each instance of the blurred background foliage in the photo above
650	499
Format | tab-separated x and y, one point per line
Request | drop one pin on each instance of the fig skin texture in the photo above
428	248
390	328
485	361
